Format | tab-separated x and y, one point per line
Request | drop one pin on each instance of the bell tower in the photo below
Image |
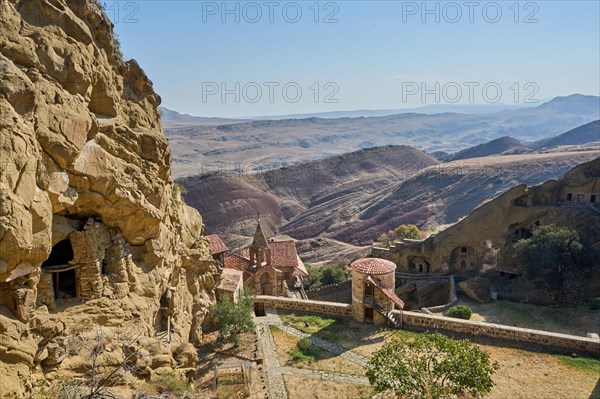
260	253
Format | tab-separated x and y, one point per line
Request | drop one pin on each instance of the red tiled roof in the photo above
283	254
300	269
236	262
387	291
245	253
373	266
240	263
217	246
230	279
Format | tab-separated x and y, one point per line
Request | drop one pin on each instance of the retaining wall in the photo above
523	336
501	332
331	308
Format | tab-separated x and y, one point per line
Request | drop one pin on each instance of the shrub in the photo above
460	312
555	259
169	382
233	319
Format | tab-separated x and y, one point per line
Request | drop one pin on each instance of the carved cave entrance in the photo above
65	277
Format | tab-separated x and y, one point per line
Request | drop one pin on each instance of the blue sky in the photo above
348	55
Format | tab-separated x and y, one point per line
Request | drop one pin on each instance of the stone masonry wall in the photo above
341	292
331	308
563	342
501	332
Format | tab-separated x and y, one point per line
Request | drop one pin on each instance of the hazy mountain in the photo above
581	135
502	145
426	110
172	118
587	133
267	144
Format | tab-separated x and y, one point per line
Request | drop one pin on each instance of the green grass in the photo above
581	363
306	352
300	321
329	329
517	315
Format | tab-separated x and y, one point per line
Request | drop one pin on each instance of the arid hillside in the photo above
328	189
356	197
265	144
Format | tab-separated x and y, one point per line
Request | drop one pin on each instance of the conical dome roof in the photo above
260	241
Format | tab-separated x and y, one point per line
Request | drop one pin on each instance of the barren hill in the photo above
502	145
325	189
587	133
442	194
355	197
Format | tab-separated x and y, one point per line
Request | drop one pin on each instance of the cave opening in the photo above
64	276
61	254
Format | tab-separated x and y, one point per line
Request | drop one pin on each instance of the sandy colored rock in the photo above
477	288
92	232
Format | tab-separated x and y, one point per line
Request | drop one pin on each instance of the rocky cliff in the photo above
93	232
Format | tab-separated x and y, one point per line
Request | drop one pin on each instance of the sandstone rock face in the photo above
92	230
477	288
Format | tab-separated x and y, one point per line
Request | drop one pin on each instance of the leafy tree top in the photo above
431	366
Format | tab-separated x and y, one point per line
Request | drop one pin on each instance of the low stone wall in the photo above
331	308
501	332
523	337
341	292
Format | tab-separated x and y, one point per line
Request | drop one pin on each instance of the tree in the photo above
234	318
403	231
409	231
431	366
325	275
553	258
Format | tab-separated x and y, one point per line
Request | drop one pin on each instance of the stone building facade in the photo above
269	267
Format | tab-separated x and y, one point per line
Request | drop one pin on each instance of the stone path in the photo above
275	372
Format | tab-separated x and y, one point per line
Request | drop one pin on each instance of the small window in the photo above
463	250
593	198
569	197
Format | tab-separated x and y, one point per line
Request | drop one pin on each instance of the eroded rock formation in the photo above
93	231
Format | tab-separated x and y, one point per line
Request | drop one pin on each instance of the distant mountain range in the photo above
356	196
201	144
586	134
172	118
